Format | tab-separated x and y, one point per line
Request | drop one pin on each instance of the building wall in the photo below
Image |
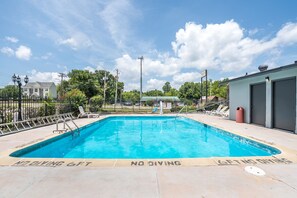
53	91
239	93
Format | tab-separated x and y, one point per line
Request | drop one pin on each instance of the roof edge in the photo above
285	67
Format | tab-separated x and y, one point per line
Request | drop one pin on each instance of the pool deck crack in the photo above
279	180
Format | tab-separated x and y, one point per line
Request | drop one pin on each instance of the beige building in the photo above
40	89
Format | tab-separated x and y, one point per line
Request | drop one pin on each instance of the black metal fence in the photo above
31	107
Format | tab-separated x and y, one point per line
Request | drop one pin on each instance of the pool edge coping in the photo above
287	156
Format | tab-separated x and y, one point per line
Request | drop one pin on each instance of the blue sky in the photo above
178	39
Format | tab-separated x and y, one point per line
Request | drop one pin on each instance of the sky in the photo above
178	39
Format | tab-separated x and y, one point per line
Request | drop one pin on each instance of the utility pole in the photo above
204	75
206	86
104	89
141	60
116	89
201	92
62	75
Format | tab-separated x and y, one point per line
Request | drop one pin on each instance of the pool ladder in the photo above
64	121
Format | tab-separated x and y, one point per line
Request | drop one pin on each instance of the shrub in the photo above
176	109
76	98
188	102
96	103
48	108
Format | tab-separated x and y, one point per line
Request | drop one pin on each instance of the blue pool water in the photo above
139	137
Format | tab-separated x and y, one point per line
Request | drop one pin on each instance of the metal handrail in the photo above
57	126
70	119
186	106
64	120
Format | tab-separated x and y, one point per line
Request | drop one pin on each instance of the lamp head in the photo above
26	79
18	79
13	78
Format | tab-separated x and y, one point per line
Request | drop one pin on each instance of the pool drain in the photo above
254	170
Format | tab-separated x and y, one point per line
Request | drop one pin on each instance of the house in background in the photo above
40	89
269	97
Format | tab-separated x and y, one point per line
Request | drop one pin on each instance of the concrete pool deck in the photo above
117	178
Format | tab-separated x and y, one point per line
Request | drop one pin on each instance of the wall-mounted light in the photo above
267	78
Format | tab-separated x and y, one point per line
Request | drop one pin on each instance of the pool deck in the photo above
214	177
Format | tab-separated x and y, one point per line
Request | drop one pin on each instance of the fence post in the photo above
45	109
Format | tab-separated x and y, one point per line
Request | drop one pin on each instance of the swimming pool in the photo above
147	137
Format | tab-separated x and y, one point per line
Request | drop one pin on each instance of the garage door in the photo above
284	104
258	104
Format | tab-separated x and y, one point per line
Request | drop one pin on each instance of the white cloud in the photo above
154	84
253	32
78	27
7	50
70	41
224	47
132	86
93	69
129	68
44	76
117	15
89	68
12	39
181	78
23	53
287	35
77	41
216	47
46	56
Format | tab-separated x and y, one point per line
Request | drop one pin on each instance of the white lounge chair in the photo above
222	111
214	111
82	113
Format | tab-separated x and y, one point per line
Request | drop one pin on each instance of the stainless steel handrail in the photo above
186	106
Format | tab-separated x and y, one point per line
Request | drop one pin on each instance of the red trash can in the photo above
239	115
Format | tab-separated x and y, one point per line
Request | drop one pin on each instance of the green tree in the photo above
76	98
190	91
166	88
62	88
9	91
84	81
110	85
172	92
154	92
219	88
132	96
96	103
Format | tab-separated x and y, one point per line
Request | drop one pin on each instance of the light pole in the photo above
141	60
116	88
19	81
